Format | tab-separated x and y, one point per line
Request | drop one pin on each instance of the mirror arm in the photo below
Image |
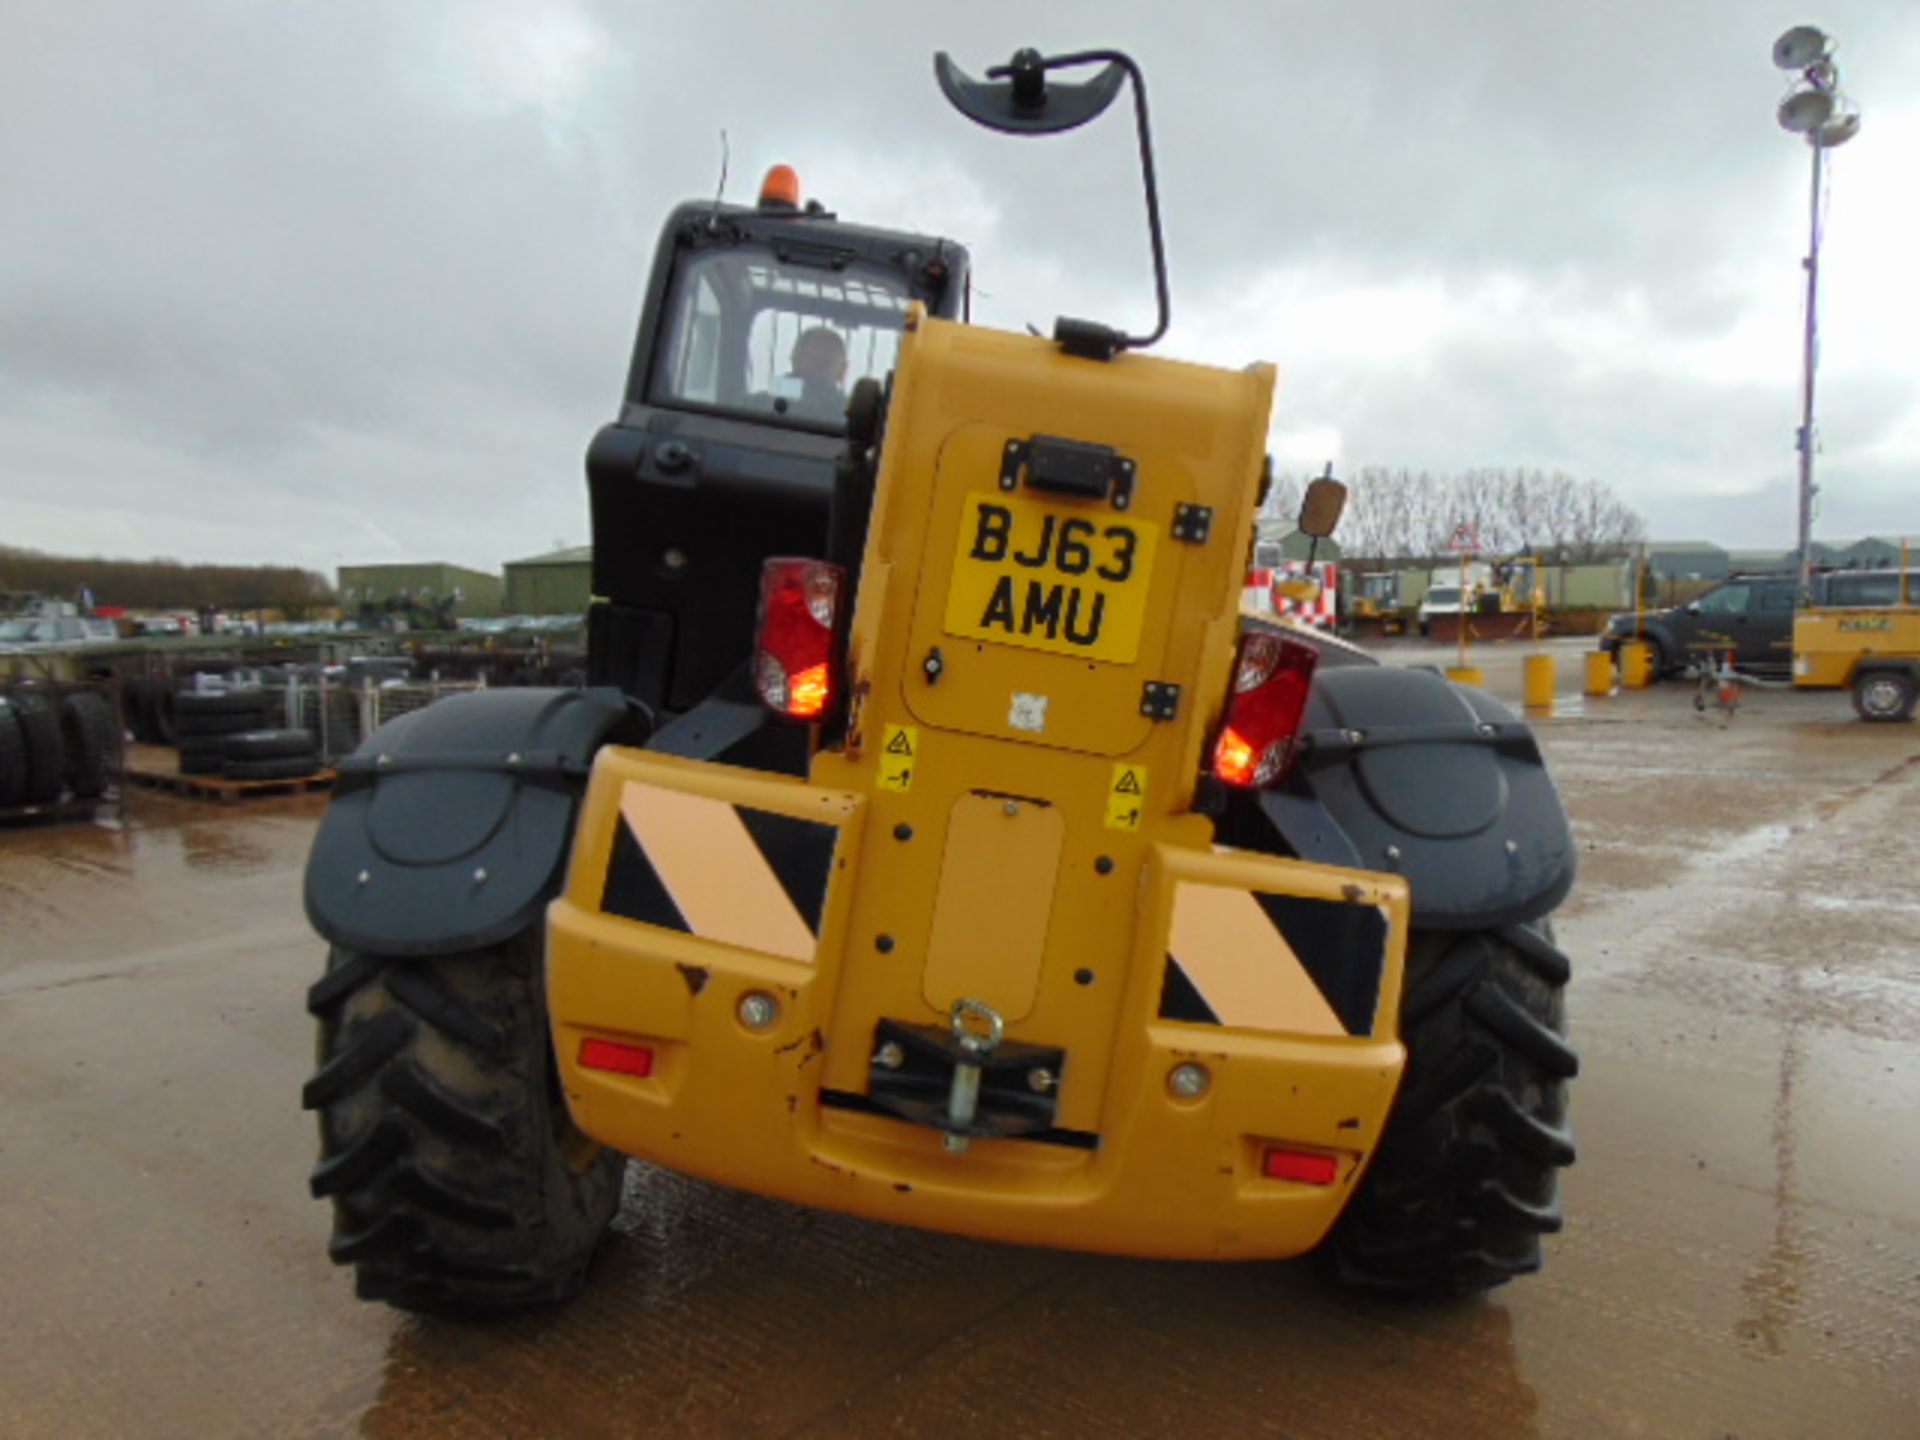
1023	75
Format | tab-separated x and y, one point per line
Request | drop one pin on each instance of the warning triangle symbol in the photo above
1129	784
899	744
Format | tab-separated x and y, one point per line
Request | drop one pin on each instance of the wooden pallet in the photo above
158	767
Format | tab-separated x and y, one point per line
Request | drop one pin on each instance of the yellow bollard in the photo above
1537	678
1466	674
1636	664
1599	673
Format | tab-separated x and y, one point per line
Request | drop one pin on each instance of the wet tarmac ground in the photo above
1742	1255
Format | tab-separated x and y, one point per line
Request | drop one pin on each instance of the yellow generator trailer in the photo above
1863	635
936	841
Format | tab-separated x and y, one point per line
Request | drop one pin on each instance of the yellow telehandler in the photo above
935	840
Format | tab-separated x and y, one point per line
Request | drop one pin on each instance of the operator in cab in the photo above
813	386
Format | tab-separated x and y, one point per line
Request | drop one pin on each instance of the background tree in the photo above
1400	515
165	584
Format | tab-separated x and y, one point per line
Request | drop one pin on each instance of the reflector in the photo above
622	1059
1305	1166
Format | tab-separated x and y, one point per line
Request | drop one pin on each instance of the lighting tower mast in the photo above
1815	108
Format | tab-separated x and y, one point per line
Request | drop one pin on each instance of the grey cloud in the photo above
305	255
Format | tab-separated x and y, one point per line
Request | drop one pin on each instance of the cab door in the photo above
1717	621
1766	640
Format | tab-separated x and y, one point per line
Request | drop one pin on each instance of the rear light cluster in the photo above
1271	676
795	659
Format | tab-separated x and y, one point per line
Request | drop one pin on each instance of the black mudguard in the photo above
449	827
1406	771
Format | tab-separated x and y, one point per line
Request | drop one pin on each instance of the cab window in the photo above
1774	598
1725	600
749	333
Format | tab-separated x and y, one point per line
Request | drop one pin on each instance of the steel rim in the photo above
1882	697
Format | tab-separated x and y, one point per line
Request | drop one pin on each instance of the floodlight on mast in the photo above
1813	108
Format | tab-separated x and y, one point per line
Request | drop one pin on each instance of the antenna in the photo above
720	190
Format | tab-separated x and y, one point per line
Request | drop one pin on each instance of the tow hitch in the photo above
965	1079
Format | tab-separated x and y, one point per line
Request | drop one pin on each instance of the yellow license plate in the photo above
1069	579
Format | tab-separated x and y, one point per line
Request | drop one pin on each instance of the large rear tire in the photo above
1466	1179
459	1182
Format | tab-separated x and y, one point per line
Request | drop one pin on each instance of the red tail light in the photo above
1271	676
795	667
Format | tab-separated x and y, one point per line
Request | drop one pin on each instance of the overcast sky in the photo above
343	282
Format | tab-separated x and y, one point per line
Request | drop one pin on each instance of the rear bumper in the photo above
1132	1169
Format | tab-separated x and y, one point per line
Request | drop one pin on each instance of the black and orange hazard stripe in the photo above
729	873
1287	964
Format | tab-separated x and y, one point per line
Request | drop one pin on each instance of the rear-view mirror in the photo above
1321	506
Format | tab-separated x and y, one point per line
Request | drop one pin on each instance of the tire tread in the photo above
441	1146
1465	1180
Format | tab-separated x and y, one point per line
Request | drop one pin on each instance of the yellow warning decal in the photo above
1126	797
899	752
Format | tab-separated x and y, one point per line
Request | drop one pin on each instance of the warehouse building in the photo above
425	584
557	583
1686	560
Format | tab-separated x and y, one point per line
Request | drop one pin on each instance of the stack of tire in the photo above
227	733
149	709
51	745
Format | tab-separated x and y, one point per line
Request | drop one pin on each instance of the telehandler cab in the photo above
936	841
